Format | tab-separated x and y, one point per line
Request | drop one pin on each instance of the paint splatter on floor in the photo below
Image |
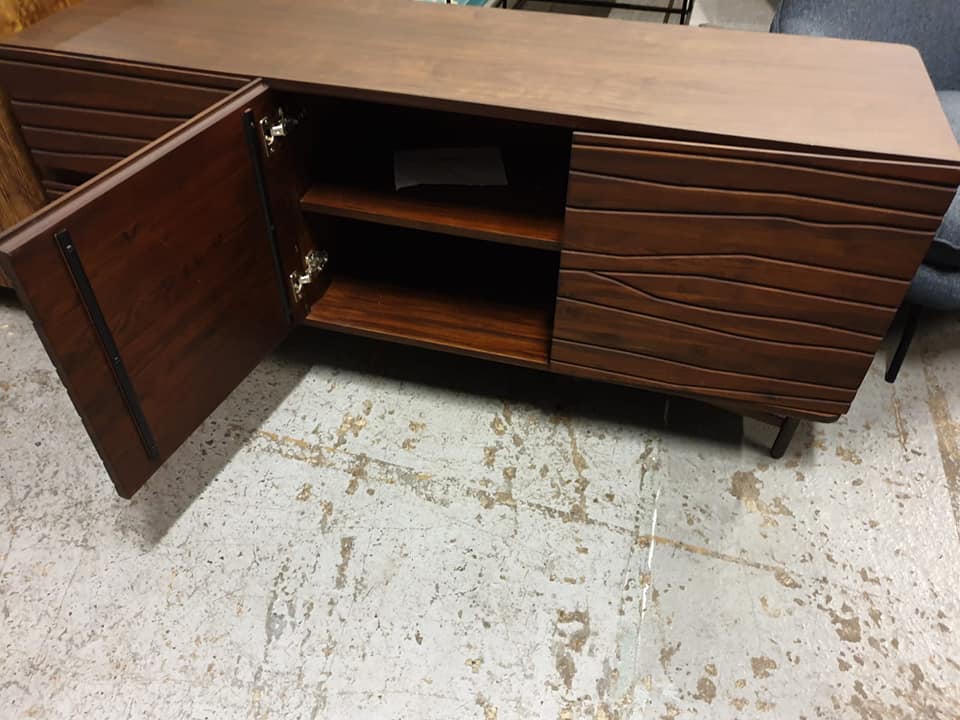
365	531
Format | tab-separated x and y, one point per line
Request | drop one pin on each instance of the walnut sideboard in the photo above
729	216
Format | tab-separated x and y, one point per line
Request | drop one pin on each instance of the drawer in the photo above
743	274
788	397
80	152
57	85
98	122
812	184
53	189
79	116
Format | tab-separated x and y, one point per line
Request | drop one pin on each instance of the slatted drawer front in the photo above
749	275
80	116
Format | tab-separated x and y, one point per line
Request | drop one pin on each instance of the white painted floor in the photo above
373	531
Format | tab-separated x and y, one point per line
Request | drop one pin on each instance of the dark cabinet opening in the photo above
349	150
430	289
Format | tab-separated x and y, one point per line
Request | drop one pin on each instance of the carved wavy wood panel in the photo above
670	376
604	192
617	328
753	270
629	292
765	176
865	249
848	165
752	276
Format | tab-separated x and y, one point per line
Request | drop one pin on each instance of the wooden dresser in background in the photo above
20	191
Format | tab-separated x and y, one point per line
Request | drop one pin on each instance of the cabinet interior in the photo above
349	149
432	289
470	269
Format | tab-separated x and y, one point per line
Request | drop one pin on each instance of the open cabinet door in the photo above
158	286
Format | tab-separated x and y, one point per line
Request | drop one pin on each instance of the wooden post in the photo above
15	15
20	190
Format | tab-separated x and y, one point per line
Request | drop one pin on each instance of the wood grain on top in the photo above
589	73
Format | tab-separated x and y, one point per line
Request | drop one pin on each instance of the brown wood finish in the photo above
115	66
18	14
765	411
761	301
697	376
20	191
692	384
601	192
54	189
762	272
783	180
515	334
68	141
64	86
85	120
620	291
82	163
839	169
627	78
478	213
668	276
184	278
83	115
467	296
621	329
864	249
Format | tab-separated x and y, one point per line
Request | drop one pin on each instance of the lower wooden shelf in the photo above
512	333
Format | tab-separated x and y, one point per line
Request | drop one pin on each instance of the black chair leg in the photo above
912	316
787	428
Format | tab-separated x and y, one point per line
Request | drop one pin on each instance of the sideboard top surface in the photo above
581	72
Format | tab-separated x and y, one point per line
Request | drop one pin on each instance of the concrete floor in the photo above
365	530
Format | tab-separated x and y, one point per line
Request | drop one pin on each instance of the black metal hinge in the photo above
253	145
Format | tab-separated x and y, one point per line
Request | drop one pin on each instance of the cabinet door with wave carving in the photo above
741	274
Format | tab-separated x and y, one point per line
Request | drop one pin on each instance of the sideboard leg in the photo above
911	316
787	428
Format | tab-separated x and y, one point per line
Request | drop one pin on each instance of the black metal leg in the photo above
787	428
912	315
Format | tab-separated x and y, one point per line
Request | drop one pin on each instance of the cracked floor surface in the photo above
364	530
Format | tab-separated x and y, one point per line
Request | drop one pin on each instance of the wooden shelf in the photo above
479	213
512	333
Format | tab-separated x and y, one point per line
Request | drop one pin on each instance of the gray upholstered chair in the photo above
933	27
